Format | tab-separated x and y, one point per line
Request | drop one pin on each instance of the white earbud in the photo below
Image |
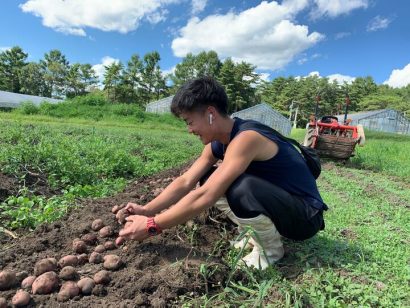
210	118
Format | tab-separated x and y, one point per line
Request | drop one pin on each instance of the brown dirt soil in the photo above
8	186
154	273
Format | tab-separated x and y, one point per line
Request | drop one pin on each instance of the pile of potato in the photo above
50	275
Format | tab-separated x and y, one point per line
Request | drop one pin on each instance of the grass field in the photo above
360	260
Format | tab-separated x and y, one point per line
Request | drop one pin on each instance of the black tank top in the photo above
287	169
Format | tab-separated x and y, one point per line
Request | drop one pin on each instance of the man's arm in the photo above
183	184
245	148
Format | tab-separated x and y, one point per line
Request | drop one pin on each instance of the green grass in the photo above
382	152
84	158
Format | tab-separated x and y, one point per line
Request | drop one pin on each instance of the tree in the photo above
152	82
240	83
195	66
112	80
55	68
32	80
12	62
79	78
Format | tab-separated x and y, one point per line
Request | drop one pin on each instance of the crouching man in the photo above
263	182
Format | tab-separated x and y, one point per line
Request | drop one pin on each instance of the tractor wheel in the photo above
360	132
309	137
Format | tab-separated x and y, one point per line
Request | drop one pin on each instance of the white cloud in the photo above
263	35
264	76
73	16
335	8
341	79
198	6
4	48
379	23
100	68
399	77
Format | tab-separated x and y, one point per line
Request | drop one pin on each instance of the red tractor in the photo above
332	139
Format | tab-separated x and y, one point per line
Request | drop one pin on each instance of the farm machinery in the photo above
333	139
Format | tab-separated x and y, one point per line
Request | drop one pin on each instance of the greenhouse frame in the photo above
266	115
160	106
14	100
386	120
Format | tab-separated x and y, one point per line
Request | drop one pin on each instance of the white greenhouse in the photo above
160	106
386	120
266	115
13	100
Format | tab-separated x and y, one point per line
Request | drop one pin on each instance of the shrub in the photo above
28	108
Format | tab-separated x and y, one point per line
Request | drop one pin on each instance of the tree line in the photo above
141	80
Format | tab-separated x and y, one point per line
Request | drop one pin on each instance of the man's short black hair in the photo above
197	94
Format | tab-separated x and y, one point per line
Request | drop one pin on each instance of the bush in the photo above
28	108
91	99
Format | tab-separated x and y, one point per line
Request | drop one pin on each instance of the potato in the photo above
102	277
68	260
112	262
95	258
68	273
21	299
79	246
45	283
119	241
68	290
109	245
89	238
106	231
45	265
27	282
86	285
97	224
82	259
99	249
121	215
115	209
7	280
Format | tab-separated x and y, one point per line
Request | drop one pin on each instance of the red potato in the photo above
82	259
86	285
99	249
95	258
109	245
89	238
45	265
3	302
45	283
121	215
7	280
115	209
68	290
112	262
106	231
68	273
79	246
97	224
28	282
102	277
68	260
21	298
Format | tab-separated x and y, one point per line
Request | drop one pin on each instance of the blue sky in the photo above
340	39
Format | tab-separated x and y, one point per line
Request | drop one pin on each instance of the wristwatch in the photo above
152	227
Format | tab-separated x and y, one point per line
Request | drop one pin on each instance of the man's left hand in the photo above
135	228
